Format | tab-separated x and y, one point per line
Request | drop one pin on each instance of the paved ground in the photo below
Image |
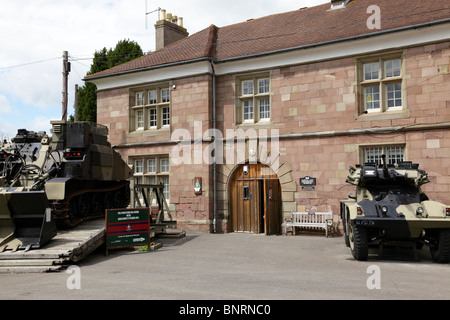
238	266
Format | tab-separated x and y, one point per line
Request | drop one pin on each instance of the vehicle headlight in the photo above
384	209
419	210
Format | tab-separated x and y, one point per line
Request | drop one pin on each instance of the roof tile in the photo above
292	29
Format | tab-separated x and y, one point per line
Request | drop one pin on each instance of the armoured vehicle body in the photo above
389	206
49	183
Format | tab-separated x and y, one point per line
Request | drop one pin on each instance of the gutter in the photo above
171	64
214	144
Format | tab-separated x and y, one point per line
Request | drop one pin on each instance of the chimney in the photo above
169	30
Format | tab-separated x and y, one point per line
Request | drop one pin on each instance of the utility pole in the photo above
66	70
75	105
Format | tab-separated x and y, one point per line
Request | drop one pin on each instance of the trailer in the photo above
152	196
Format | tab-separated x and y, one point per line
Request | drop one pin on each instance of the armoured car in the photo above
389	206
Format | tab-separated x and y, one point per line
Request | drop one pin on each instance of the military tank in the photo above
389	206
49	183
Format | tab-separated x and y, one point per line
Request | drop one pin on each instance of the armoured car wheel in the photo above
359	244
441	251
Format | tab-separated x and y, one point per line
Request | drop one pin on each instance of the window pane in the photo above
139	119
165	181
248	110
246	192
372	98
165	116
165	95
264	109
139	168
394	154
263	85
373	154
152	98
371	71
164	165
152	118
247	87
394	95
393	68
140	99
151	165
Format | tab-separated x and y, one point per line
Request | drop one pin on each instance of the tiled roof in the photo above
292	29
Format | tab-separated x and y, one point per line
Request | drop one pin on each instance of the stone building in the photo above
288	102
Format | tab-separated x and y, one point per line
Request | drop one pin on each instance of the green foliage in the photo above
104	59
87	103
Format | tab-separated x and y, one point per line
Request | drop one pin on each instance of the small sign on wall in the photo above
308	184
198	185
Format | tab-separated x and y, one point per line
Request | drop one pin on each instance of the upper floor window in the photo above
253	103
381	87
150	108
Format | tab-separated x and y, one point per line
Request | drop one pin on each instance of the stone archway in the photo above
288	188
255	199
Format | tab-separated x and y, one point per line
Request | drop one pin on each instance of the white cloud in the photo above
5	107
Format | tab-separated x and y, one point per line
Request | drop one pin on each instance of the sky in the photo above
35	33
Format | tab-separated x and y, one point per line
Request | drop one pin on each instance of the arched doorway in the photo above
255	199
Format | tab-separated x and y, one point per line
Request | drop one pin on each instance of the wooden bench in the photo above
309	220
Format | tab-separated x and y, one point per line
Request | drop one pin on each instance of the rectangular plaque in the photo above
127	227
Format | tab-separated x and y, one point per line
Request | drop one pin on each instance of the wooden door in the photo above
254	201
245	206
272	206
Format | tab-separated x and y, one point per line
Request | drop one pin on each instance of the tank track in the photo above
68	214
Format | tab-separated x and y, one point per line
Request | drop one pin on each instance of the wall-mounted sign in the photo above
308	184
127	227
198	185
307	181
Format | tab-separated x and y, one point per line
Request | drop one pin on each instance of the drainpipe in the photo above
214	144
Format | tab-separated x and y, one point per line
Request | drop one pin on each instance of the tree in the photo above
124	51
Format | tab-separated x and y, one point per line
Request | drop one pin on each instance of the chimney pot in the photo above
169	30
339	4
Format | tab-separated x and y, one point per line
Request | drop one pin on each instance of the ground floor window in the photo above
395	153
153	169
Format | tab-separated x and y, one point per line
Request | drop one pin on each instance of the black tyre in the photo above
440	252
359	244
